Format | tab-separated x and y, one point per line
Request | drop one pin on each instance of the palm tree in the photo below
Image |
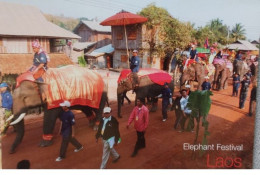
215	24
238	32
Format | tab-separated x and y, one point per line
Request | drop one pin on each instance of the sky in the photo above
200	12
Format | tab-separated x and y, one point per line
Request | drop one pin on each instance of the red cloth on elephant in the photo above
78	85
27	76
190	61
157	76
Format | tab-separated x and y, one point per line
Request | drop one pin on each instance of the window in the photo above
124	58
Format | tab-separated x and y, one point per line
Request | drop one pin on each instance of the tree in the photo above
238	32
165	33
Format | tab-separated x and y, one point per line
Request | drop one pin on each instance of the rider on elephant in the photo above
135	66
40	60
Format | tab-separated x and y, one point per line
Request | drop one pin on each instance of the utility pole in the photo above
256	151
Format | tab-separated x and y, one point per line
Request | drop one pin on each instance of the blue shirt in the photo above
134	63
166	95
193	54
236	81
7	100
184	102
40	58
68	120
206	85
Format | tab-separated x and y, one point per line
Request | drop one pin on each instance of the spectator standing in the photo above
7	104
252	104
109	131
166	100
178	111
67	131
186	112
140	116
243	91
206	84
236	84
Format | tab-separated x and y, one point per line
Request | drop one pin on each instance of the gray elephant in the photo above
147	89
240	67
223	70
31	95
195	72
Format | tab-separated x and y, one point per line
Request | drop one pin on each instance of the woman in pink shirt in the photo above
140	116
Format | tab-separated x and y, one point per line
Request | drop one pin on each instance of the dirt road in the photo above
227	125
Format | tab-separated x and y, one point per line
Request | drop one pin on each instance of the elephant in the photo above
30	95
147	89
195	72
240	67
223	70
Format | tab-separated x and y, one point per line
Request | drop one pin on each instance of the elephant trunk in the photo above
19	127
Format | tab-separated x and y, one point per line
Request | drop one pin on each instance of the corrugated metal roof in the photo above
242	45
20	63
101	51
96	26
83	45
24	20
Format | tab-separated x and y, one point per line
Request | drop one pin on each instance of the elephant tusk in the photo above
18	119
10	118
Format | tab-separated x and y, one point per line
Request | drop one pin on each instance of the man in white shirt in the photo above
185	110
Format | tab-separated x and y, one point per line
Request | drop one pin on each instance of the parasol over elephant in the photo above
150	85
196	72
88	97
223	70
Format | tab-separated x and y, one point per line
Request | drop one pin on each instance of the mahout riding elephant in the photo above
195	72
240	67
30	95
147	89
223	70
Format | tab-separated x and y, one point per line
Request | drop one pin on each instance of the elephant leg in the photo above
49	121
154	105
19	127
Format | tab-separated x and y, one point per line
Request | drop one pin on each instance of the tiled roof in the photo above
24	20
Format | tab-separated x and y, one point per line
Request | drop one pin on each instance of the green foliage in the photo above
64	22
165	32
82	62
238	32
199	102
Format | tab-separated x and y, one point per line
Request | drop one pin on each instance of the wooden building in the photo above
137	38
20	25
92	31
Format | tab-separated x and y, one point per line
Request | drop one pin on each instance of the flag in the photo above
206	44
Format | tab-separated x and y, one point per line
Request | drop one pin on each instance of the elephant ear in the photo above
43	89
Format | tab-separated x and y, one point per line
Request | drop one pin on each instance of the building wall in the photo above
21	45
137	39
120	59
88	35
133	33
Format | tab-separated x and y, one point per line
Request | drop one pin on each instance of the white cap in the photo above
187	86
206	77
107	110
135	51
65	103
